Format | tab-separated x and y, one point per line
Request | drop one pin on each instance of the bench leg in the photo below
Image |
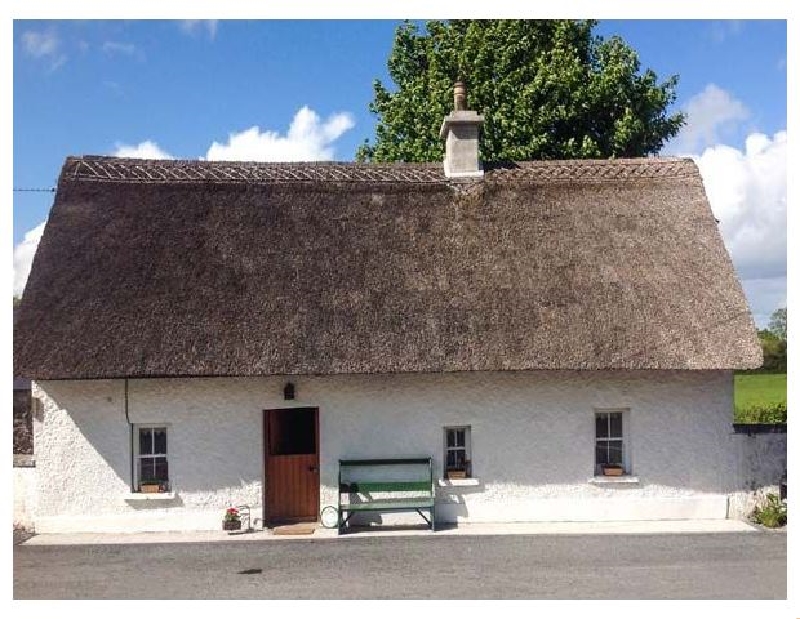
429	522
343	523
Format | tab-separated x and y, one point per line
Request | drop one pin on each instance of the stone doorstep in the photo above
302	528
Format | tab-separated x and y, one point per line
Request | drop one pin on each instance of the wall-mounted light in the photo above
288	391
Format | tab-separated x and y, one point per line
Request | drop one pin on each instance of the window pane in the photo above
293	432
615	452
601	425
147	470
601	452
608	452
460	441
145	441
160	436
160	469
616	425
451	437
457	459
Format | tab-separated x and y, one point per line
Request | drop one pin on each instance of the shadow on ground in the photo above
21	534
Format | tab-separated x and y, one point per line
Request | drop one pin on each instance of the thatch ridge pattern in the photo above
112	169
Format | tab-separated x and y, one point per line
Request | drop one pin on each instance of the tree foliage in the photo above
548	89
773	342
777	323
774	350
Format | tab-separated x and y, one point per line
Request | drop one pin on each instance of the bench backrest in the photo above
418	484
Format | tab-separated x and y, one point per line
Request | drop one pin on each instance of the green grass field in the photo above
756	390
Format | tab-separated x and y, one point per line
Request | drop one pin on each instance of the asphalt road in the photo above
748	565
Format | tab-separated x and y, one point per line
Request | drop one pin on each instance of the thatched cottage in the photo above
526	324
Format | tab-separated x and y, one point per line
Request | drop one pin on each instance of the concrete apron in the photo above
643	527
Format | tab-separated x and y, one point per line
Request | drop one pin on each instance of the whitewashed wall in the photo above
532	437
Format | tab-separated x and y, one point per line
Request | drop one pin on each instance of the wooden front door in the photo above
291	441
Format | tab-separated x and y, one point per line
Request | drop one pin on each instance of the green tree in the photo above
774	349
549	89
777	323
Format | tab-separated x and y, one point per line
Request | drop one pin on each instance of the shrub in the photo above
764	413
772	514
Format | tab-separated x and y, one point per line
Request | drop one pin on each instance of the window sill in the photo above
463	481
149	496
610	480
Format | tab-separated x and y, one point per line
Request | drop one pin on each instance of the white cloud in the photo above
143	150
191	26
43	45
308	139
710	114
747	192
114	47
722	29
40	44
23	257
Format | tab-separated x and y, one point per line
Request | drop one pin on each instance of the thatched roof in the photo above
193	268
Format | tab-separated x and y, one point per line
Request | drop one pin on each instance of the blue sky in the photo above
173	88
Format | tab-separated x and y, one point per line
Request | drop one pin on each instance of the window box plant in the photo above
232	521
459	472
150	486
612	470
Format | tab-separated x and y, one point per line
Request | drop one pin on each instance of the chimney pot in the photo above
459	96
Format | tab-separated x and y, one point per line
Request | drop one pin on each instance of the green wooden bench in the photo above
422	485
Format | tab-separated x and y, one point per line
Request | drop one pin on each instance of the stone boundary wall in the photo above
25	493
761	465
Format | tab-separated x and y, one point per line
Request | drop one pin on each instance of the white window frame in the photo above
624	438
467	447
138	457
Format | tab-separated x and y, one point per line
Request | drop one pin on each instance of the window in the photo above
609	443
457	453
293	431
151	457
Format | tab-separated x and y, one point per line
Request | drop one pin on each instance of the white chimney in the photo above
461	131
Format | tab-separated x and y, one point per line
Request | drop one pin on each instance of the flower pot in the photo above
612	471
149	488
231	525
